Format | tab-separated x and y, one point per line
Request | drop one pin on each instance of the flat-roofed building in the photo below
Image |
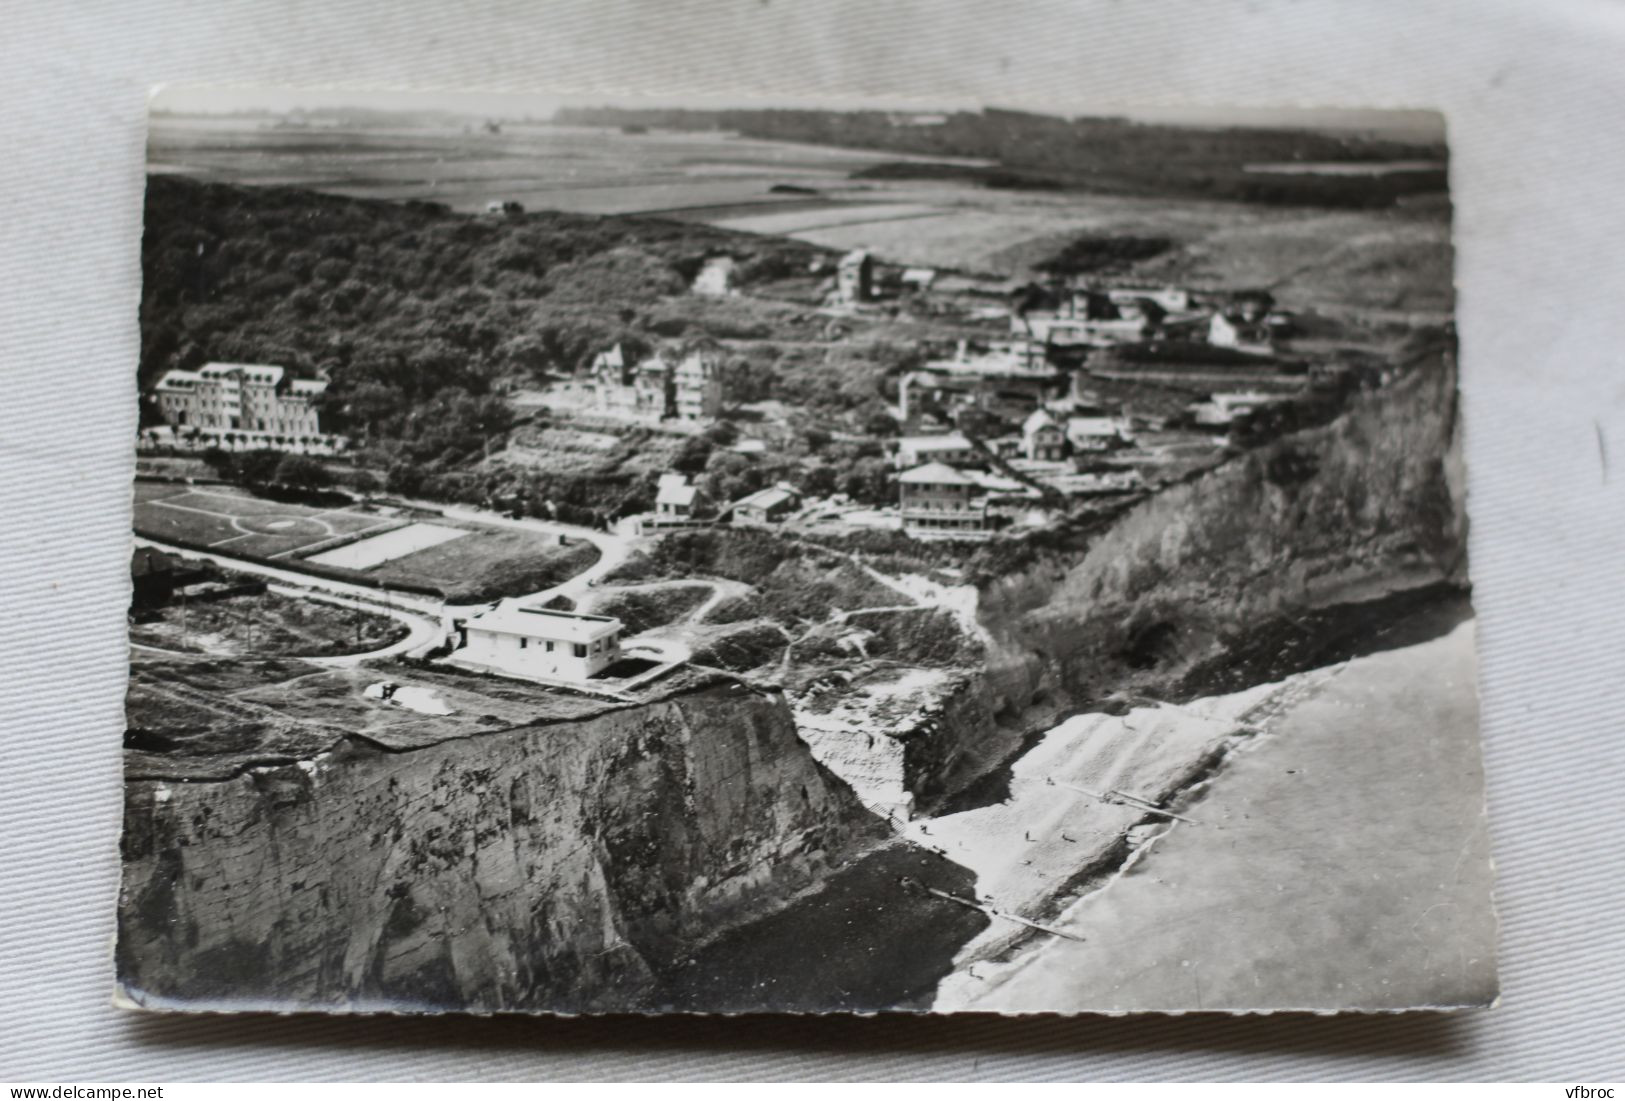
1171	299
531	641
1222	409
1082	331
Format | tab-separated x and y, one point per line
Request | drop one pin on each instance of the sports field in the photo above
233	522
394	543
466	562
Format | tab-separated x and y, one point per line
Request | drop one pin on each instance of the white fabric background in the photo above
1535	95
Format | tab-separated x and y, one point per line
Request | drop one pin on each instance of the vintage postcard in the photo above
596	556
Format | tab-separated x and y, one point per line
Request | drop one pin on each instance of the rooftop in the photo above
546	623
1011	364
1091	426
675	493
263	375
254	372
950	441
1040	418
178	380
766	498
614	358
936	474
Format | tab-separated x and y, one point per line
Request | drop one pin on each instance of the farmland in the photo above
584	169
1394	257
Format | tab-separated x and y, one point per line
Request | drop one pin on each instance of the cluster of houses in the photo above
946	489
1087	317
984	433
654	389
678	501
1011	403
861	280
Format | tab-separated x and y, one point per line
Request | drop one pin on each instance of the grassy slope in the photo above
489	564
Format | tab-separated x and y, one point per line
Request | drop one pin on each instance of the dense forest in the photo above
1111	155
414	313
420	318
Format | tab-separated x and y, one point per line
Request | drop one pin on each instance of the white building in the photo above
674	500
655	389
1080	331
939	502
1232	330
243	398
854	277
1222	409
1042	438
542	642
1172	299
951	448
716	278
1090	434
696	388
918	279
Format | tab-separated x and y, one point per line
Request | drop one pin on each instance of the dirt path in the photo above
424	632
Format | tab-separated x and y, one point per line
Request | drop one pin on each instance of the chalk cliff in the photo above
580	864
1255	569
570	867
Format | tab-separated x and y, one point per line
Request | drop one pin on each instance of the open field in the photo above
466	562
490	563
589	170
207	717
1397	258
265	625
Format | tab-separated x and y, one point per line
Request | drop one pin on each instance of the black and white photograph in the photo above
597	554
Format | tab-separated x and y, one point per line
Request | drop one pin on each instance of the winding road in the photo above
427	616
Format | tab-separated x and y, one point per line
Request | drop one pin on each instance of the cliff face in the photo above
1365	509
568	867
